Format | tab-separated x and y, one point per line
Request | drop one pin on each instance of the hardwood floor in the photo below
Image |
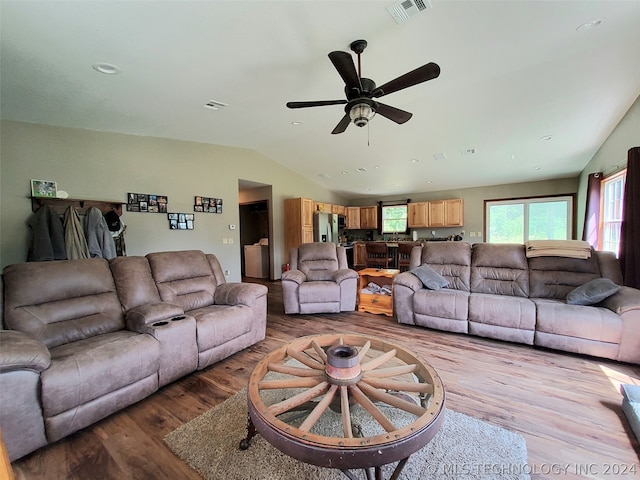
567	407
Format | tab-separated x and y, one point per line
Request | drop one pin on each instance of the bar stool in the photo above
404	254
378	255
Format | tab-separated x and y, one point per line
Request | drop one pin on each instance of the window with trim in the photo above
611	202
534	218
394	219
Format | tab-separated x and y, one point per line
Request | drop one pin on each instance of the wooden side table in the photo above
374	302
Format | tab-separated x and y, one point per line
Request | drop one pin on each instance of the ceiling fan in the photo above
360	104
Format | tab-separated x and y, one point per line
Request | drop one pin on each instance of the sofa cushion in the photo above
452	260
63	301
183	278
429	277
592	292
134	281
218	324
499	269
502	310
578	321
87	369
318	261
319	292
555	277
444	303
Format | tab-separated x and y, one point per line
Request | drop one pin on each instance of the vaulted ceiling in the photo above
513	74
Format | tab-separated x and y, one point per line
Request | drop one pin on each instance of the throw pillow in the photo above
429	277
592	292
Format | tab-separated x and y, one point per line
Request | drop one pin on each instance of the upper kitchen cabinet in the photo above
446	213
369	217
418	214
353	218
339	210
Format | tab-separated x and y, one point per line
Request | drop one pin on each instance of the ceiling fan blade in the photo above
419	75
342	125
343	62
318	103
392	113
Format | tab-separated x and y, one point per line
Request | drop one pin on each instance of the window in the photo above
394	219
612	189
522	219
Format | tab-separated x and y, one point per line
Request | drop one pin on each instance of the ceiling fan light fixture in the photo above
361	113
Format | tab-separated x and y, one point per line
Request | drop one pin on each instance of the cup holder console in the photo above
159	324
179	317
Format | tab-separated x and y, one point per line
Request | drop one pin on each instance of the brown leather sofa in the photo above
495	291
86	338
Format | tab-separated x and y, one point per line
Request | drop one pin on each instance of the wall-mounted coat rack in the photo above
59	205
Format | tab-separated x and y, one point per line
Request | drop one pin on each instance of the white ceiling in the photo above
512	72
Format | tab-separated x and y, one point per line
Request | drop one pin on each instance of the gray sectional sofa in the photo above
83	339
495	291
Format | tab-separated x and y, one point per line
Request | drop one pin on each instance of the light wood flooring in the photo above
567	407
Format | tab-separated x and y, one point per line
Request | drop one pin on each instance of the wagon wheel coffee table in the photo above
364	383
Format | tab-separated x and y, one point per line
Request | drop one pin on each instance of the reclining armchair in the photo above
319	281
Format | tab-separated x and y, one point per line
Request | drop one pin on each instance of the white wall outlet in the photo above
232	227
227	273
230	240
433	233
472	234
224	241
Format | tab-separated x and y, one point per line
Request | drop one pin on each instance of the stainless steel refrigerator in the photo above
325	227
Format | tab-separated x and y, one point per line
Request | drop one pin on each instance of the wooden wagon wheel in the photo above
293	387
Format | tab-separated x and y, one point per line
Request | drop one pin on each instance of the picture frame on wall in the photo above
44	188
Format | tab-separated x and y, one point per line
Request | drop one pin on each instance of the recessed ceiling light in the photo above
415	160
344	172
591	24
325	175
397	185
428	181
546	138
106	68
537	168
378	167
361	169
296	123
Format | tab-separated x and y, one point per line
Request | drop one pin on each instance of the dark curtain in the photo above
592	211
630	229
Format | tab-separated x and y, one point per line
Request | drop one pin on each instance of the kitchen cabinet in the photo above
359	254
339	210
446	213
369	217
418	214
298	223
353	218
323	207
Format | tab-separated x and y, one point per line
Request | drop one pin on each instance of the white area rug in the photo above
463	449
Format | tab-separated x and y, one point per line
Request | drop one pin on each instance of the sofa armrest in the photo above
623	301
239	293
409	280
294	276
142	315
344	274
18	351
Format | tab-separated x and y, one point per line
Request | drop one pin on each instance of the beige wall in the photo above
474	202
105	166
611	157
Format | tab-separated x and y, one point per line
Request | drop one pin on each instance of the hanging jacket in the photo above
47	240
99	239
74	240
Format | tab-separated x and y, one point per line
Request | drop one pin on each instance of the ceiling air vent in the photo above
215	105
403	10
